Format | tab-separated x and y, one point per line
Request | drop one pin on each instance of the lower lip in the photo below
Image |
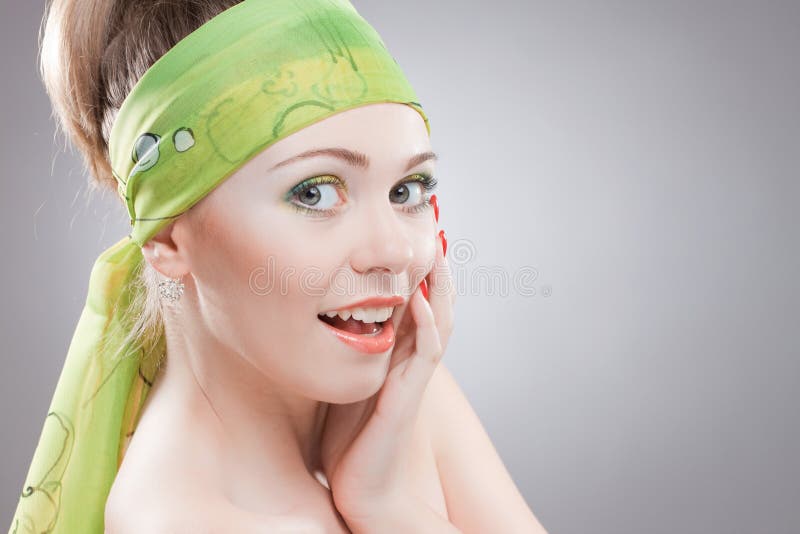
368	343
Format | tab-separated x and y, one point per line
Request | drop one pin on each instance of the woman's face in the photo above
287	238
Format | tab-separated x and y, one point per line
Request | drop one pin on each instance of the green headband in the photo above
252	75
249	77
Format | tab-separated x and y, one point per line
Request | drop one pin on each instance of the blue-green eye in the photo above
409	190
317	196
412	193
323	196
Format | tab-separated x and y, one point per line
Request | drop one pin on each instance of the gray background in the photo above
642	157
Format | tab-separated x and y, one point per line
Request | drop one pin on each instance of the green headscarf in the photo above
254	74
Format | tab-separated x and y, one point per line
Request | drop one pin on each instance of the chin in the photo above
355	382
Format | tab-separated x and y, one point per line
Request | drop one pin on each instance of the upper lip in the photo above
372	302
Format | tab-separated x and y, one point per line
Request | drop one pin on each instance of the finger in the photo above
407	380
398	400
418	348
404	339
422	362
442	293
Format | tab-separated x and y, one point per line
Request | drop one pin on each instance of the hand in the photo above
365	445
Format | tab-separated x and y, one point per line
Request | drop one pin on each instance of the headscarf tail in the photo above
95	407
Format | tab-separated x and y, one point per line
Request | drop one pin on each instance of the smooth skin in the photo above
256	395
365	445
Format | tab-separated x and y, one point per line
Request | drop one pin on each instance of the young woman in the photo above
294	309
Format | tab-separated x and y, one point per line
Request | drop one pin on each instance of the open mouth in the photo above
369	330
359	321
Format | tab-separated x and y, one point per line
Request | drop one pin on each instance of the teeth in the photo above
366	315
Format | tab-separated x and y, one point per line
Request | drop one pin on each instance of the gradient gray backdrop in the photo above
641	157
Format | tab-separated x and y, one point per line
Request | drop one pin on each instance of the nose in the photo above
383	243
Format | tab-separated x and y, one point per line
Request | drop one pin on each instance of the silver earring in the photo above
171	289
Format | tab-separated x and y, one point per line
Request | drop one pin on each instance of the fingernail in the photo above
444	242
435	204
424	286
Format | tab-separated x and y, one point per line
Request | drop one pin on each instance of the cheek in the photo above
425	255
232	236
224	252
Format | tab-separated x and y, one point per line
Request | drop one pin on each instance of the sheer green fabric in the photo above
254	74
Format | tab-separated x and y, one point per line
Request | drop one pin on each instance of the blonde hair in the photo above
92	53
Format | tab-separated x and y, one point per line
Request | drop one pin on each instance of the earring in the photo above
171	289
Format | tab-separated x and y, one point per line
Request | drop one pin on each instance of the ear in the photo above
164	255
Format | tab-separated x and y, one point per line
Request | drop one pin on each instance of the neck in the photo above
265	435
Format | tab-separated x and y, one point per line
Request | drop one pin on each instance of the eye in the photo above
322	196
409	190
316	196
412	193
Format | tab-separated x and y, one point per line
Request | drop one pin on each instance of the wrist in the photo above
366	512
374	515
404	513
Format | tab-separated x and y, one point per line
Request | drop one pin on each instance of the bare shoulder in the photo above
148	495
152	485
135	507
480	492
159	489
176	507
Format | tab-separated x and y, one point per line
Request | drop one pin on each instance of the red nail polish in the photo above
444	242
435	204
424	286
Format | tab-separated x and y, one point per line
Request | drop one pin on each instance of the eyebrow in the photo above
353	158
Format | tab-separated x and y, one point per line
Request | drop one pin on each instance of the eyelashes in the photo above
316	180
320	190
428	182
